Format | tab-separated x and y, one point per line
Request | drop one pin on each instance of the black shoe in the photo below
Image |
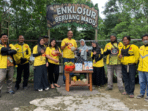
11	92
25	88
140	96
16	88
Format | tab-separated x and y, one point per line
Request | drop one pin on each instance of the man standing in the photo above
23	56
6	63
68	54
113	63
143	68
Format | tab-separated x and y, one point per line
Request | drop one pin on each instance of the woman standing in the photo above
129	56
40	71
98	65
82	52
53	53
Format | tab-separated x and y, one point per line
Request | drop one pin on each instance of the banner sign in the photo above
68	13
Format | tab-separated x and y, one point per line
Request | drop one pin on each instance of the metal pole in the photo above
96	34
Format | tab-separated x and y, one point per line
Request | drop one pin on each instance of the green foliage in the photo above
126	18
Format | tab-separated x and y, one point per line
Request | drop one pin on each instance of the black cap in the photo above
45	36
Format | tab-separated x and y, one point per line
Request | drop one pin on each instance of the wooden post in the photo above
67	81
90	81
49	34
96	34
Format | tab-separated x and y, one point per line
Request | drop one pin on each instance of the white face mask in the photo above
145	42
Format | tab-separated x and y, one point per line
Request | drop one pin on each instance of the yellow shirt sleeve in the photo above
59	50
102	51
35	50
63	43
75	44
29	53
12	47
136	53
91	54
47	51
105	49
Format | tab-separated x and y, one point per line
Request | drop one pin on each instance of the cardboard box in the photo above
86	67
90	65
78	67
79	82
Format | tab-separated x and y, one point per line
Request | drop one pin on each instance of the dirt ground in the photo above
22	98
132	103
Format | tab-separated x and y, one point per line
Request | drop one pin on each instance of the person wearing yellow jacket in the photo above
7	52
23	56
143	68
98	76
113	63
40	70
129	56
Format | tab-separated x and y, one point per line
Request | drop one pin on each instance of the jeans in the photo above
67	60
129	78
143	81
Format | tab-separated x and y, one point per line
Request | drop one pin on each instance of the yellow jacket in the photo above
109	46
3	59
99	63
39	60
21	52
134	55
143	59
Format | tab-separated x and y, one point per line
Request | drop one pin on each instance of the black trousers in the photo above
53	73
20	69
98	77
129	78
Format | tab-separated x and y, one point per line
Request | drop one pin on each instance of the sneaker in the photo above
146	99
108	88
11	92
46	89
40	90
140	96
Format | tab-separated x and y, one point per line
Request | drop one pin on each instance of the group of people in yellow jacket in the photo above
121	58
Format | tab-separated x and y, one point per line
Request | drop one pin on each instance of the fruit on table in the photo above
84	80
79	80
69	66
82	76
74	78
